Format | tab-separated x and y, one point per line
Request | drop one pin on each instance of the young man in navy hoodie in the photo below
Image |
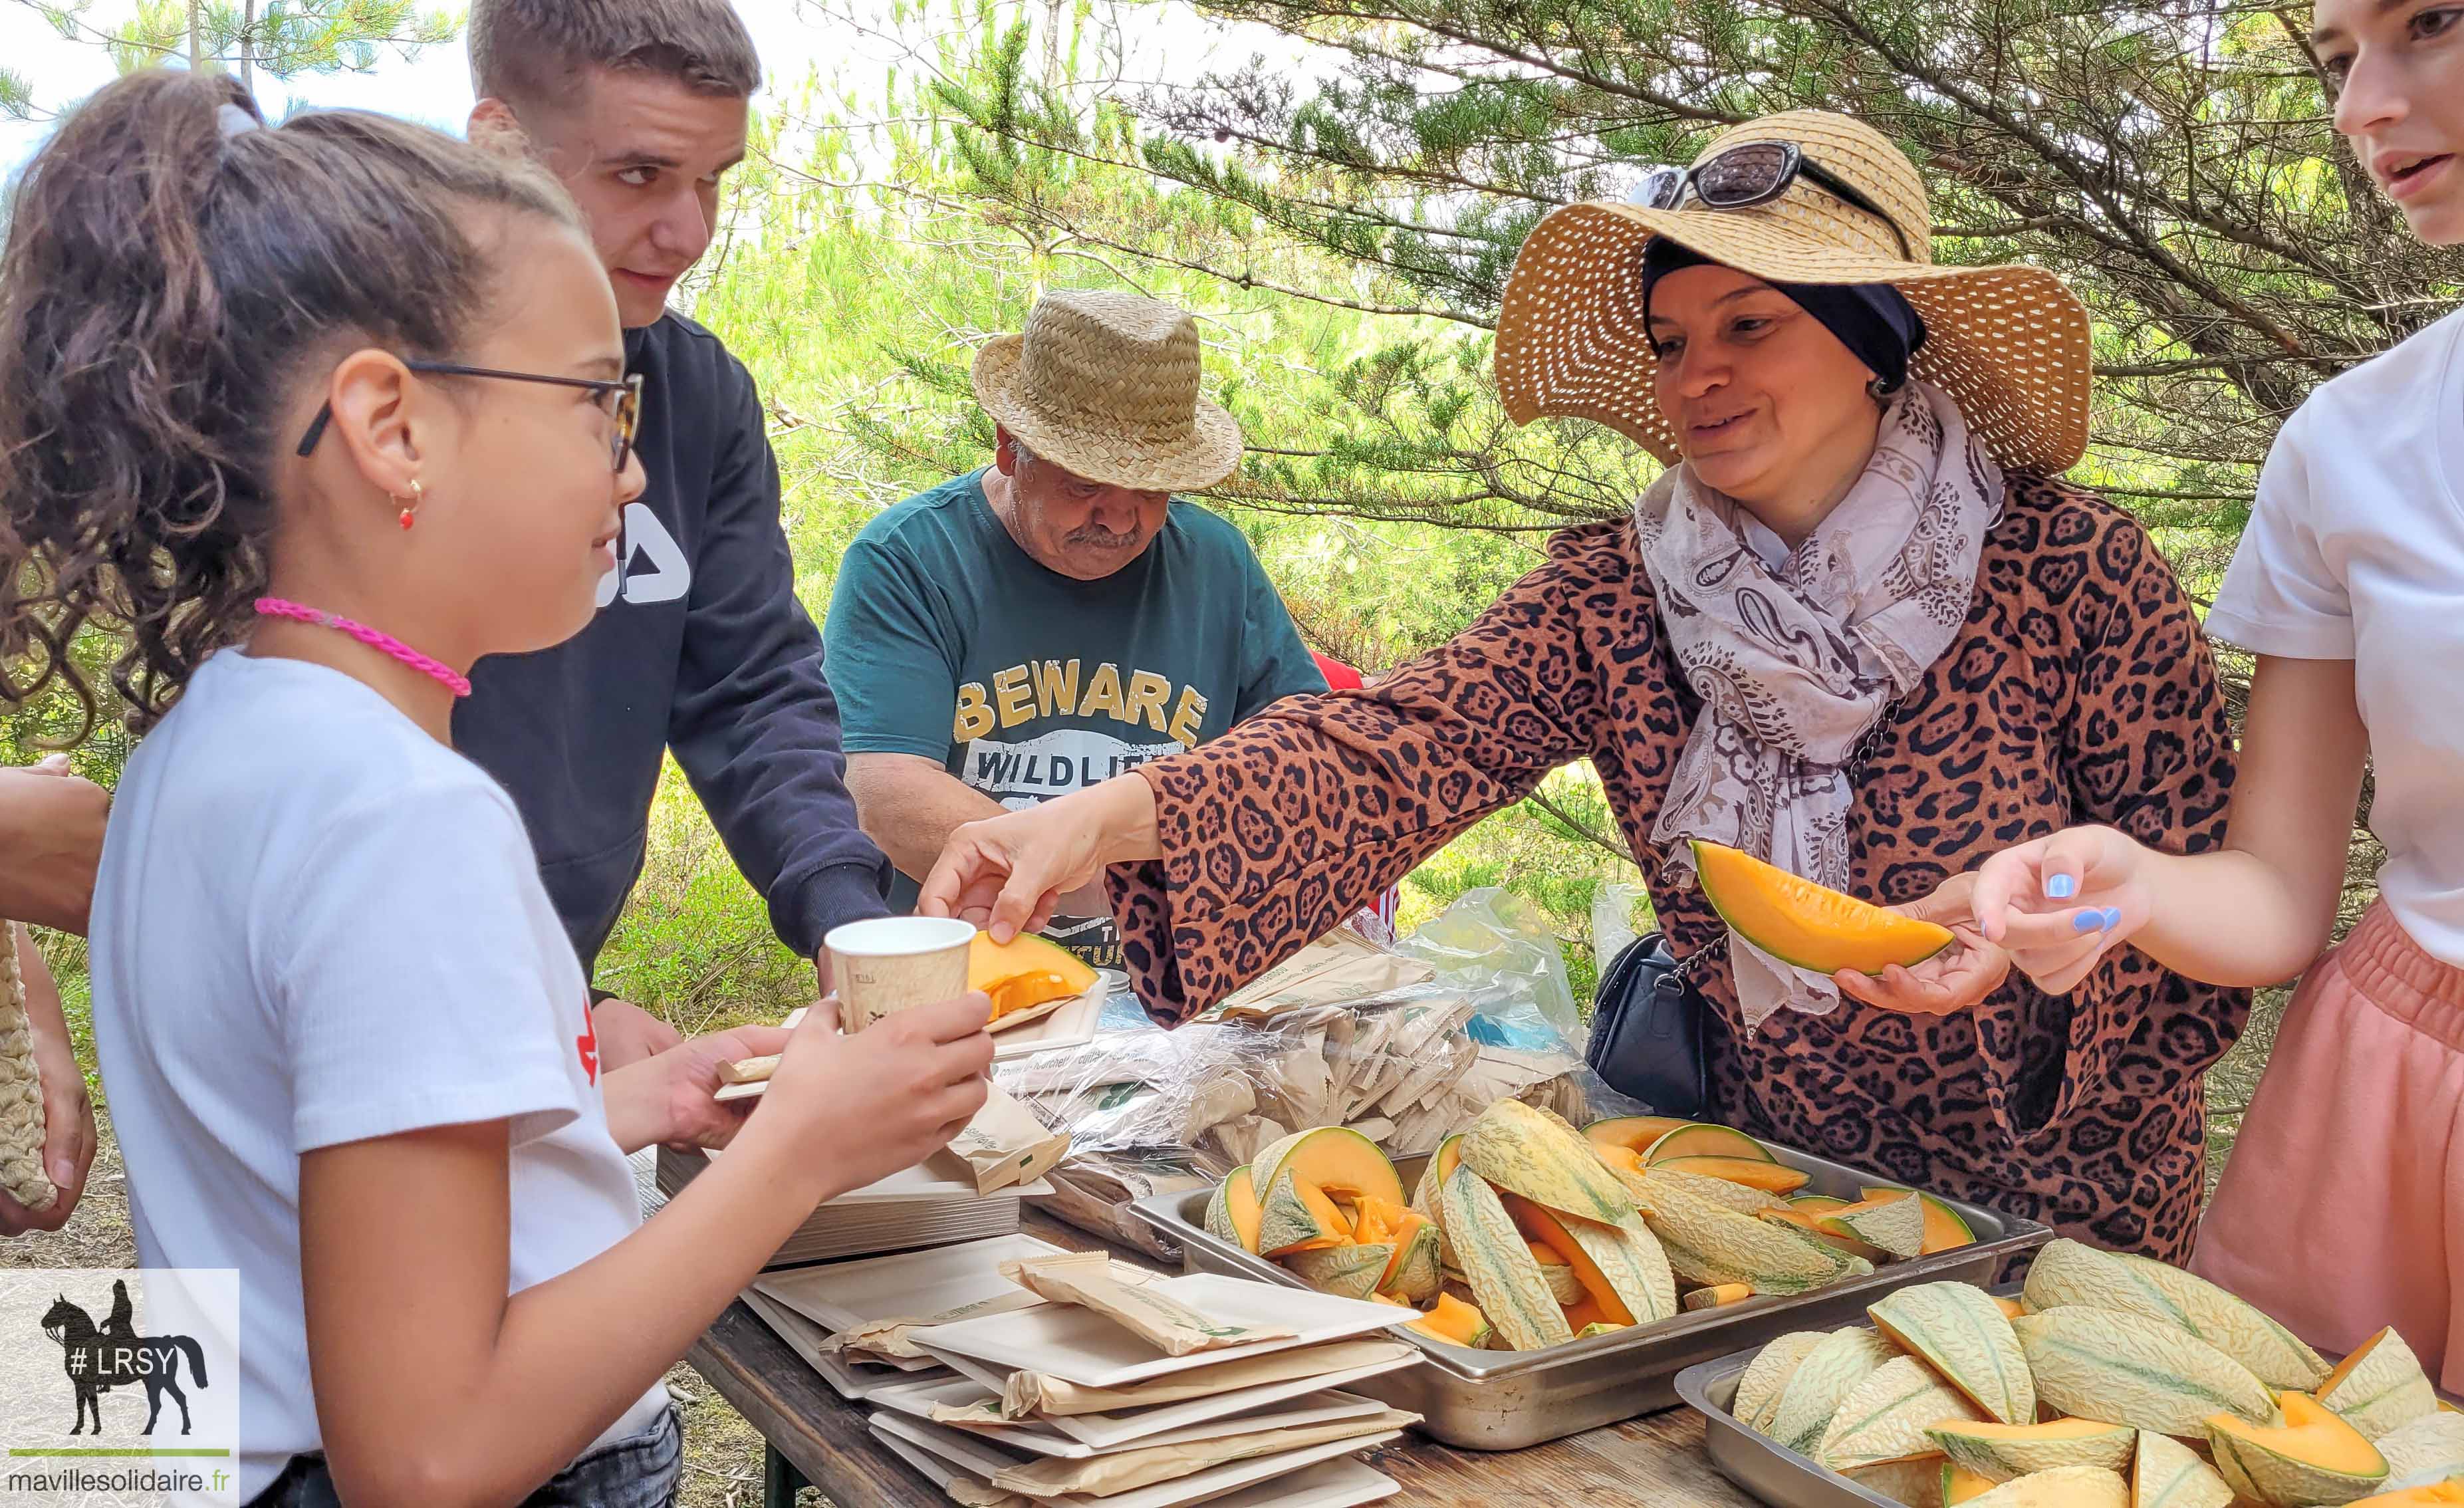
700	646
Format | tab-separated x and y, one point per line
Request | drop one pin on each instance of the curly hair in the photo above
174	271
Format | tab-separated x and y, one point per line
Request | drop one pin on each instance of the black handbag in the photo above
1647	1039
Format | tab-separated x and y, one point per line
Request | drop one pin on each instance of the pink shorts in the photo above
2342	1209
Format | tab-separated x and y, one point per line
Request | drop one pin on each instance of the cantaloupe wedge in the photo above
1624	1273
1514	1146
1335	1158
1452	1320
1561	1277
2062	1487
1945	1231
1413	1273
1232	1214
2449	1493
1297	1216
1025	972
2428	1450
1812	1224
2012	1308
1719	1297
1434	1174
1702	1139
2004	1450
1798	921
1772	1178
2312	1457
2380	1388
2166	1474
1633	1133
1350	1271
1892	1221
1960	1485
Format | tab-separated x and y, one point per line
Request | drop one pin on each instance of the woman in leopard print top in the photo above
2074	687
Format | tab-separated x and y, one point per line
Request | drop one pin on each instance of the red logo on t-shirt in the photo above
586	1045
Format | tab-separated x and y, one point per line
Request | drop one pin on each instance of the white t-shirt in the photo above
316	925
2355	551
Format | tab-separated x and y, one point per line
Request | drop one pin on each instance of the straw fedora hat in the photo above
1105	386
2009	343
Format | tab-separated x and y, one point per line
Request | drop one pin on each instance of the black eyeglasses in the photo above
626	390
1751	173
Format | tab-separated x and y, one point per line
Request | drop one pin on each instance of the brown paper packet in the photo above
1103	1475
1006	1145
1028	1395
971	1492
890	1337
1086	1279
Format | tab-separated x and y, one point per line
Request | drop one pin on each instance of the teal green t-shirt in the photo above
947	641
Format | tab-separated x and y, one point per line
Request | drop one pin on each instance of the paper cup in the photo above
891	962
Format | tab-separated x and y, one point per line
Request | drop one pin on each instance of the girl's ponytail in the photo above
170	276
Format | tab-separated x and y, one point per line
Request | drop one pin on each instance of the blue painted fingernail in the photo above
2088	922
2112	917
2061	887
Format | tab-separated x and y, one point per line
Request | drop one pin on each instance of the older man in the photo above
1045	623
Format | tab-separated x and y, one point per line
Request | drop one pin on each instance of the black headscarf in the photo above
1874	320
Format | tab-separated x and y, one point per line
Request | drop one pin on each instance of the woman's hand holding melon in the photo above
2061	903
1954	979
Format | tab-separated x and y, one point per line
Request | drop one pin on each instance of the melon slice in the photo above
1886	1416
1335	1158
2072	1272
1819	1384
1593	1328
1702	1139
2380	1388
1767	1374
1025	972
2312	1457
2004	1450
2012	1308
2428	1450
1452	1320
1893	1222
2166	1474
1499	1267
2126	1368
1772	1178
1913	1484
2063	1487
1562	1280
1624	1273
1719	1297
2449	1493
1961	1331
1513	1147
1811	1226
1232	1214
1817	1204
1707	1245
1745	1199
1633	1133
1346	1272
1432	1178
1960	1485
1297	1216
1798	921
1946	1229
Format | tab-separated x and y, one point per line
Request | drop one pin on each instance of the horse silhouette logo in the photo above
97	1361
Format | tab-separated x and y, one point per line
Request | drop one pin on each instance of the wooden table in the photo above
815	1436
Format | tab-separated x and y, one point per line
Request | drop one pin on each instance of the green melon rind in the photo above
2071	1273
1767	1374
1269	1166
1819	1384
1523	1151
2064	1487
1719	1191
1562	1283
1708	1245
1635	1264
1219	1211
1284	1220
2166	1474
1885	1418
2127	1368
1505	1280
1963	1334
2428	1450
1897	1228
2002	1459
1413	1276
2254	1471
2386	1392
1424	1199
1346	1272
1710	893
1915	1484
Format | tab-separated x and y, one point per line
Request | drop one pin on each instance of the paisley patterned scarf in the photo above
1795	664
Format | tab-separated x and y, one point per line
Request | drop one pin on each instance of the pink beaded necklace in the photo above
385	643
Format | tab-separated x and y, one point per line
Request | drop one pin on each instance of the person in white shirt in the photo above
324	413
2342	1208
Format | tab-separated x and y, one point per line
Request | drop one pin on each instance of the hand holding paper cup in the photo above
882	966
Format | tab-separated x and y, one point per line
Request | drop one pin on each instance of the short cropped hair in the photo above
533	51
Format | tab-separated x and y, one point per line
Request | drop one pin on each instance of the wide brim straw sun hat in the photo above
1105	386
2009	343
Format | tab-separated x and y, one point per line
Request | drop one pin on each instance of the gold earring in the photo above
418	495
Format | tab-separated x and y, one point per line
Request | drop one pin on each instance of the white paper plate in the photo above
841	1296
853	1382
1113	1430
1273	1481
918	1400
1082	1347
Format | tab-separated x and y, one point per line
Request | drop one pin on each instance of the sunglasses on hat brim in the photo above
1753	173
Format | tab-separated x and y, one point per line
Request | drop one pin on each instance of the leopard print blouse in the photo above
2080	690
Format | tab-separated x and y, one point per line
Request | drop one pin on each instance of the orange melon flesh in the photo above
2311	1433
1240	1203
1699	1139
1944	1230
1809	1223
2449	1493
1960	1485
1579	1316
2012	1308
1624	1158
2344	1367
1798	921
1451	1319
1393	1223
1719	1297
1545	1256
1025	972
1817	1204
1449	1154
1632	1132
1329	1217
1542	1227
1772	1178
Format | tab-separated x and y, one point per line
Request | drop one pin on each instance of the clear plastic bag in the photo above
1498	945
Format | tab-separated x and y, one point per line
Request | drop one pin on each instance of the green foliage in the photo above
284	37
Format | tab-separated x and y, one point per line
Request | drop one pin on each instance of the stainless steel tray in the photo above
1760	1465
1506	1400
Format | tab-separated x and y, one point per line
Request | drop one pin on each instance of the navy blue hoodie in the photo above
706	651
